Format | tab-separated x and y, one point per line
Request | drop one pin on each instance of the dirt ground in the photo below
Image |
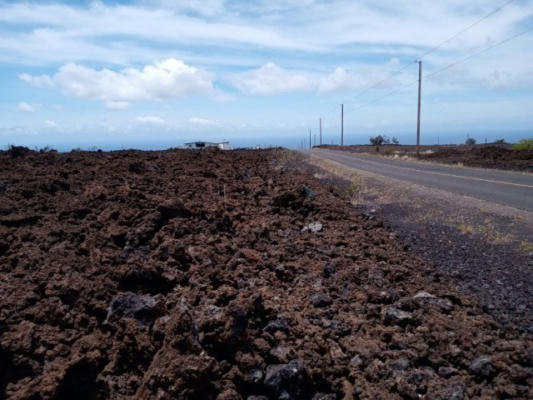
225	275
489	156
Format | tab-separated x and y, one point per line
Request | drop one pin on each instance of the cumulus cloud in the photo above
117	89
26	107
340	79
272	79
50	124
151	120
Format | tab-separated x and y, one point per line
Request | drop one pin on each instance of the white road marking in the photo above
438	173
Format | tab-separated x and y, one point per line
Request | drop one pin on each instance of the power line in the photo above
391	75
461	61
384	96
490	14
433	49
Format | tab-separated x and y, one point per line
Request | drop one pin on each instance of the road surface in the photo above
503	187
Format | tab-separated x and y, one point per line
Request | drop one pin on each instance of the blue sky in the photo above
152	73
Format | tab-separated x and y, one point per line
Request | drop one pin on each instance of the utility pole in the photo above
419	108
310	147
320	131
314	139
342	124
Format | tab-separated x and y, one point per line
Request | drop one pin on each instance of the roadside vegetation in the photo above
524	145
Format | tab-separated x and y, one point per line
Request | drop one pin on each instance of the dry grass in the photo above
464	227
526	246
422	210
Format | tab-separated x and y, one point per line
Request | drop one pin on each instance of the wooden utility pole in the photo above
419	108
310	146
342	124
320	131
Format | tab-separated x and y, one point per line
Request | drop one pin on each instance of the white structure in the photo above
202	145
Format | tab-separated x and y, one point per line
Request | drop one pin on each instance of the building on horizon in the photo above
224	145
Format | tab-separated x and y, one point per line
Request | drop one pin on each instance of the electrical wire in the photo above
447	67
375	85
463	60
384	96
490	14
433	49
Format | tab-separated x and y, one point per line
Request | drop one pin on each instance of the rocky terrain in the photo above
225	275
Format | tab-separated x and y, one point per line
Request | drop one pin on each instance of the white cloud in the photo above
42	81
208	8
271	79
116	89
96	32
50	124
151	120
202	121
339	80
26	107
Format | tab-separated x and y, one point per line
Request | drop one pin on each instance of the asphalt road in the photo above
503	187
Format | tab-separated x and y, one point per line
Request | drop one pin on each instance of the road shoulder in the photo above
485	248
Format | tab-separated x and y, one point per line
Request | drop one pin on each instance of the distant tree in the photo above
395	140
378	141
470	141
499	141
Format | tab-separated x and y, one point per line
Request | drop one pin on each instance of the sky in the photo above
158	73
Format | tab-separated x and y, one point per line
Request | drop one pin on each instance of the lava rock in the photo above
455	392
281	354
443	305
255	375
324	396
394	316
287	381
446	372
137	167
482	366
130	305
172	209
424	295
320	299
401	364
314	227
329	269
307	193
278	324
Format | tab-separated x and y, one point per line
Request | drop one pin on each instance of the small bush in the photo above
18	151
47	149
524	145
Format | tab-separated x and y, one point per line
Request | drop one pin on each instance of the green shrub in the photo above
524	144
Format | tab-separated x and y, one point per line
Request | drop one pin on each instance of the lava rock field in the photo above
186	274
